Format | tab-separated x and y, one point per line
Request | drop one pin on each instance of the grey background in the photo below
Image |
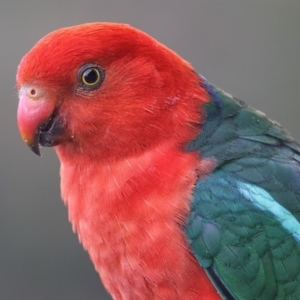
249	48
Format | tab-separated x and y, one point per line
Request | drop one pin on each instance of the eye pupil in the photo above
90	76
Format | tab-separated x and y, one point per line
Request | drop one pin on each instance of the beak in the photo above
38	120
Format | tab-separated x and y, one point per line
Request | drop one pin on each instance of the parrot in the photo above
176	189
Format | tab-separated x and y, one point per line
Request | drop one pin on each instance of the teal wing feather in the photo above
244	225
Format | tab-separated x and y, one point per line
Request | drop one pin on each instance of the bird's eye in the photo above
91	76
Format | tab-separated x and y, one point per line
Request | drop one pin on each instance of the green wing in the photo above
244	223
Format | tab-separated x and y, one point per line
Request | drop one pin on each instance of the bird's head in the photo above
106	90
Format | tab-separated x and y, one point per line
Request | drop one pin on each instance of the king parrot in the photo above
176	189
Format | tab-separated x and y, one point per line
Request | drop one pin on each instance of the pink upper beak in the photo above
34	111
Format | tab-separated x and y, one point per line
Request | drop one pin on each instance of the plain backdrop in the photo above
249	48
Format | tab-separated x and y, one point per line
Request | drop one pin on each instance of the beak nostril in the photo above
32	92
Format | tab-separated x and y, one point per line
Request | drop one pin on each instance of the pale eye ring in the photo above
90	76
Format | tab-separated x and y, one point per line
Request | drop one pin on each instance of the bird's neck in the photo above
124	184
129	216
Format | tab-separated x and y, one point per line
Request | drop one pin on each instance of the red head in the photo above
106	90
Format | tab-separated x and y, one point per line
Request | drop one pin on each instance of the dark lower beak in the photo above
52	133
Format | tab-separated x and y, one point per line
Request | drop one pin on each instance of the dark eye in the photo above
91	76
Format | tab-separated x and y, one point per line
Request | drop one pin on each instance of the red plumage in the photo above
125	176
